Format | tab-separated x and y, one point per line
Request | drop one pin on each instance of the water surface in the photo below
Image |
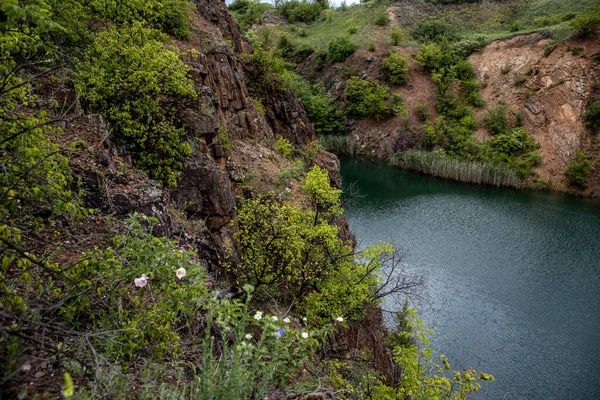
512	277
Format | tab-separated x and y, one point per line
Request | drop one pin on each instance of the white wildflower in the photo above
141	281
274	318
248	336
339	319
181	272
304	335
286	320
258	315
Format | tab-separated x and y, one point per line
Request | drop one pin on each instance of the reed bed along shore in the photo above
460	170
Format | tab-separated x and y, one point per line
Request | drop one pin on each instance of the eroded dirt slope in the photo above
550	93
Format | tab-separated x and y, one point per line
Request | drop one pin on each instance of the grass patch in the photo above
437	164
339	144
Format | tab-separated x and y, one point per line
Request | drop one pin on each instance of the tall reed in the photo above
456	169
339	144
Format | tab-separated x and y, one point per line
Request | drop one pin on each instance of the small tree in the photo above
396	36
340	48
395	68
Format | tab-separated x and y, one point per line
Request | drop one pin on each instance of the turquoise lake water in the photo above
512	277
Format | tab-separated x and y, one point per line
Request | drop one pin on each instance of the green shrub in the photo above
121	75
321	108
399	107
340	48
433	31
495	120
578	170
248	13
301	10
171	16
365	97
296	256
395	68
382	18
352	30
422	112
592	116
284	147
371	46
585	23
396	36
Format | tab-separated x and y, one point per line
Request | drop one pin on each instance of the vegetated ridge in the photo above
497	92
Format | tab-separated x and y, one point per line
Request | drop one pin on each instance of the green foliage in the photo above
382	18
149	323
321	108
495	120
397	36
301	10
433	31
284	147
578	170
422	112
372	46
340	48
586	22
365	97
395	68
130	76
592	116
171	16
417	361
295	255
268	74
249	12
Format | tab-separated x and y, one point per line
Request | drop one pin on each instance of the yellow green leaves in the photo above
318	190
135	80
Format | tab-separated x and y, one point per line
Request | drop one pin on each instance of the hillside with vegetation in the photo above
495	92
169	225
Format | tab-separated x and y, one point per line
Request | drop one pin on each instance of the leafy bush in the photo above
592	116
122	74
395	68
301	10
495	120
284	147
321	108
366	97
382	18
289	253
396	36
340	48
578	170
248	12
433	31
172	16
585	23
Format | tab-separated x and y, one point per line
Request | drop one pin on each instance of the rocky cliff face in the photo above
232	145
549	93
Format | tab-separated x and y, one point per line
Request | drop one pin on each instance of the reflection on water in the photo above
513	277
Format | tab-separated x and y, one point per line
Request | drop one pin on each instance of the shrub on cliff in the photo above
340	48
592	116
365	97
131	77
395	68
321	108
578	170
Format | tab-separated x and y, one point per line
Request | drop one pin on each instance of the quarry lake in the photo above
512	277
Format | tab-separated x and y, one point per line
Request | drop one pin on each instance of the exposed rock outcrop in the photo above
550	94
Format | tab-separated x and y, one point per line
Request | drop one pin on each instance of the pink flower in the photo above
141	281
180	273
